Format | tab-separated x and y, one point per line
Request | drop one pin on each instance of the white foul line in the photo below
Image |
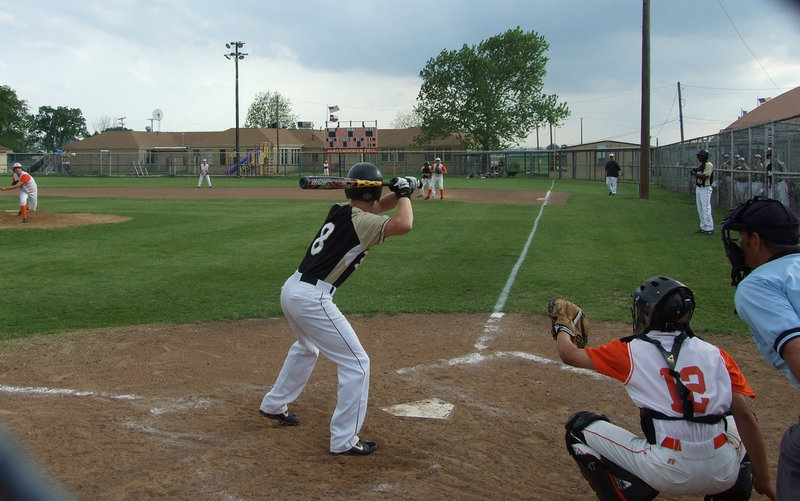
497	314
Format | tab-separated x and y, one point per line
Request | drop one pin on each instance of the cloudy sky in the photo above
127	58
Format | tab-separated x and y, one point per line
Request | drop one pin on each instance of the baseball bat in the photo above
335	183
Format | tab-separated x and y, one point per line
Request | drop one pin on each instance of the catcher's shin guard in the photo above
609	481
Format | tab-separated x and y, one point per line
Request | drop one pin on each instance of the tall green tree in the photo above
489	95
406	120
14	120
55	127
268	108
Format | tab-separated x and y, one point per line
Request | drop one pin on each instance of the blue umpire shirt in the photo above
768	300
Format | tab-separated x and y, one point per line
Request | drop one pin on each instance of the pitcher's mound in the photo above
44	219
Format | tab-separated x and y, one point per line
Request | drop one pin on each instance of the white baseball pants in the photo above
320	327
703	199
703	469
611	182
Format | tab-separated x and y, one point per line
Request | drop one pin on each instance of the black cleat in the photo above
286	418
360	449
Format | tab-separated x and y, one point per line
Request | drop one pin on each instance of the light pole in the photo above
236	55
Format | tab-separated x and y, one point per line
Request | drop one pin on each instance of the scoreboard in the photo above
351	137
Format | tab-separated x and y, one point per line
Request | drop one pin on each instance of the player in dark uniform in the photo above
307	301
426	180
612	174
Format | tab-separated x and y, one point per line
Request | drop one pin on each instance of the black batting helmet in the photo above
661	303
366	171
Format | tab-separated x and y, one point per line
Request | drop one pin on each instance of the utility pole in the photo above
644	147
236	55
278	131
680	110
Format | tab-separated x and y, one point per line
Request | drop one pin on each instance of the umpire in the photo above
765	269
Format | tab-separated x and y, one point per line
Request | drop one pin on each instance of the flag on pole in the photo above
762	100
334	118
333	109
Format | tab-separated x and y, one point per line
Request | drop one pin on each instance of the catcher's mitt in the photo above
568	317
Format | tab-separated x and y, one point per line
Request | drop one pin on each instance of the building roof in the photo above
782	107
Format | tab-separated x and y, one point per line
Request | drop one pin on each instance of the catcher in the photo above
691	395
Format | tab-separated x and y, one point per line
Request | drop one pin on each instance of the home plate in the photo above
430	408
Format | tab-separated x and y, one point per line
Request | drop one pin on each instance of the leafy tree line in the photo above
48	129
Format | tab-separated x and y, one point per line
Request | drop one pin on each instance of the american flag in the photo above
333	109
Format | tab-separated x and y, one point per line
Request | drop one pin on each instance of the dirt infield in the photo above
170	411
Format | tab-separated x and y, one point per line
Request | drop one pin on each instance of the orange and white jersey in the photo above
28	184
709	372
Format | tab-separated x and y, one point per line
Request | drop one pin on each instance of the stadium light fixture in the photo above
236	55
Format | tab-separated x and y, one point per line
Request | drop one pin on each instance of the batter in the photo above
337	249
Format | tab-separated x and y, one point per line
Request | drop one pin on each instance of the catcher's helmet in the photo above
703	154
661	303
367	171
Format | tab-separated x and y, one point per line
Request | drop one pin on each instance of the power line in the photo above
747	46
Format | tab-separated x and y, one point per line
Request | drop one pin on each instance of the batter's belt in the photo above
321	285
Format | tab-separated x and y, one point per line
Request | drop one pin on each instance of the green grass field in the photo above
180	261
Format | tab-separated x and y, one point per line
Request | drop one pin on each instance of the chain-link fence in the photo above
293	162
742	167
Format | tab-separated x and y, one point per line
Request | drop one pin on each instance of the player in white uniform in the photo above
204	173
307	301
28	192
437	178
694	413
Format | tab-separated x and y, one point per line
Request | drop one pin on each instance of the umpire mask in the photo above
769	218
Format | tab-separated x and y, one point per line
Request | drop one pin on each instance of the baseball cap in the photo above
438	159
611	155
17	164
758	155
767	217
